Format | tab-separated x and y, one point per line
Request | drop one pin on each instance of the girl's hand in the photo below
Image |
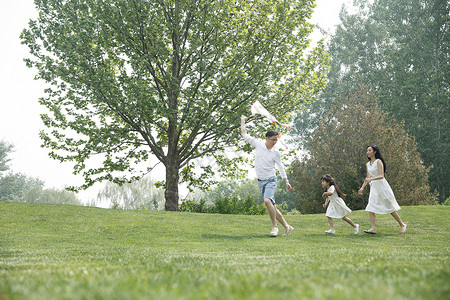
360	191
324	205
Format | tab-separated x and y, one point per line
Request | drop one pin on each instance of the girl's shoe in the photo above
331	231
274	231
403	229
289	230
356	229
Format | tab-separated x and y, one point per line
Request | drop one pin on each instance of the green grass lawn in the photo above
72	252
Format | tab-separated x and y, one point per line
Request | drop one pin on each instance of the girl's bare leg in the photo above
349	221
330	221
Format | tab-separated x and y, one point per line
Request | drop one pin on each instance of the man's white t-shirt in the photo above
265	159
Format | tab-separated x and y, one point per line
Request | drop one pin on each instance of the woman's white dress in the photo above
381	197
336	207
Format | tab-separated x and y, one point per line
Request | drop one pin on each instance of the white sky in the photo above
19	93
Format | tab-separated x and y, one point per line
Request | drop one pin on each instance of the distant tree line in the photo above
141	194
22	188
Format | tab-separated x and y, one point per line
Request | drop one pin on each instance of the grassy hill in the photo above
73	252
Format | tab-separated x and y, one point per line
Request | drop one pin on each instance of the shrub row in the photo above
236	206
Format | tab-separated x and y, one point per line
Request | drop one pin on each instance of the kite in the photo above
257	108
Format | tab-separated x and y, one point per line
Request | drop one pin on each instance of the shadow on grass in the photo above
378	235
349	236
212	236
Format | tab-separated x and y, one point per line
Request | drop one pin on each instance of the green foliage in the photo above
246	206
140	194
286	200
399	49
247	188
73	252
192	206
5	149
130	79
14	186
240	189
52	196
22	188
230	205
239	197
337	147
447	201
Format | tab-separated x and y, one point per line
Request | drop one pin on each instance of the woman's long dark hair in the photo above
330	180
378	155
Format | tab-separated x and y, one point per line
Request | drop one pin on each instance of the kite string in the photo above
278	133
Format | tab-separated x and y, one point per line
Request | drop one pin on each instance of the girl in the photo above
336	207
381	197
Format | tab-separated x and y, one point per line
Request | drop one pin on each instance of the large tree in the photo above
131	78
400	50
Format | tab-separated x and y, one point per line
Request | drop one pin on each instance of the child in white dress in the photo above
336	206
381	197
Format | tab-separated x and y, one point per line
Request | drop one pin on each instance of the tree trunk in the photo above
171	193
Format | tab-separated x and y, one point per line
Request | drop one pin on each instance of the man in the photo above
265	160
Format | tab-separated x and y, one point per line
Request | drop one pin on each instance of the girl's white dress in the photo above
381	197
336	207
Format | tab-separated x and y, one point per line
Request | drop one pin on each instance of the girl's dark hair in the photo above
330	180
378	155
271	133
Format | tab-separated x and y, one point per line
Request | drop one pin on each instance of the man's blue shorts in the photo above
268	188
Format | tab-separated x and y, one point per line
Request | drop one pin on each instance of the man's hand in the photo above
243	129
288	186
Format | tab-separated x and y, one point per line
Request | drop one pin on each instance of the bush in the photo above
192	206
234	205
447	201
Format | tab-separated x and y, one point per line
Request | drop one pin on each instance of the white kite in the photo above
257	108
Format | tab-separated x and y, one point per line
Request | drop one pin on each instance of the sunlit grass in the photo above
72	252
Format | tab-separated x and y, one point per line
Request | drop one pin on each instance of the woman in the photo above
381	197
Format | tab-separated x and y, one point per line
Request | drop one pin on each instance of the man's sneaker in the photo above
331	231
356	229
289	230
274	231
